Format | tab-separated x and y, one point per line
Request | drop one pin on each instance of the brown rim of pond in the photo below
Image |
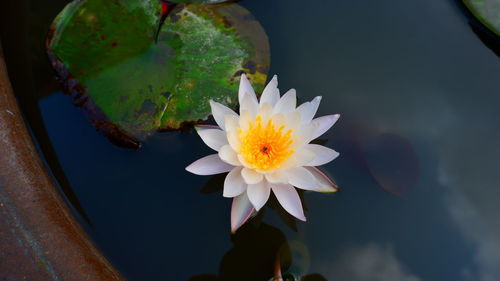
40	239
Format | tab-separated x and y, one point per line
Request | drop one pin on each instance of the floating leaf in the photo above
487	12
218	43
131	84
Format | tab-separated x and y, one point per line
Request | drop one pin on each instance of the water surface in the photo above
418	138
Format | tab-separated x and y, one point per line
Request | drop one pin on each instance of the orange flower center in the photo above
265	147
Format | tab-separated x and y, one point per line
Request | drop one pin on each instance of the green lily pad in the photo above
487	12
236	44
131	83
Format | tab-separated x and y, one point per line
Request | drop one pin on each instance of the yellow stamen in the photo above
265	147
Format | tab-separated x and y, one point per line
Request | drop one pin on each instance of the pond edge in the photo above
39	236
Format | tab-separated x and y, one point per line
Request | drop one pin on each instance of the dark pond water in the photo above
419	139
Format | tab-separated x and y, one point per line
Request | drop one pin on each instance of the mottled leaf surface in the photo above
213	44
107	51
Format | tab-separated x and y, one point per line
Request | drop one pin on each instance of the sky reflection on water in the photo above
412	70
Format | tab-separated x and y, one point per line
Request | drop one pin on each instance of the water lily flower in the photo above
266	147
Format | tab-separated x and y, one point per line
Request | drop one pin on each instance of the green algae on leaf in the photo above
106	48
215	44
130	84
487	12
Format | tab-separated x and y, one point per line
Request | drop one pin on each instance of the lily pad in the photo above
131	82
211	60
487	12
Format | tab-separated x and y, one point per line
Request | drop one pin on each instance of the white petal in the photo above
250	104
231	122
234	139
289	199
241	211
214	138
303	157
291	162
279	119
307	110
243	161
228	155
287	102
304	107
277	177
323	124
251	176
246	88
322	154
271	93
234	184
293	120
209	165
219	112
306	133
265	112
258	194
300	177
325	183
245	118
